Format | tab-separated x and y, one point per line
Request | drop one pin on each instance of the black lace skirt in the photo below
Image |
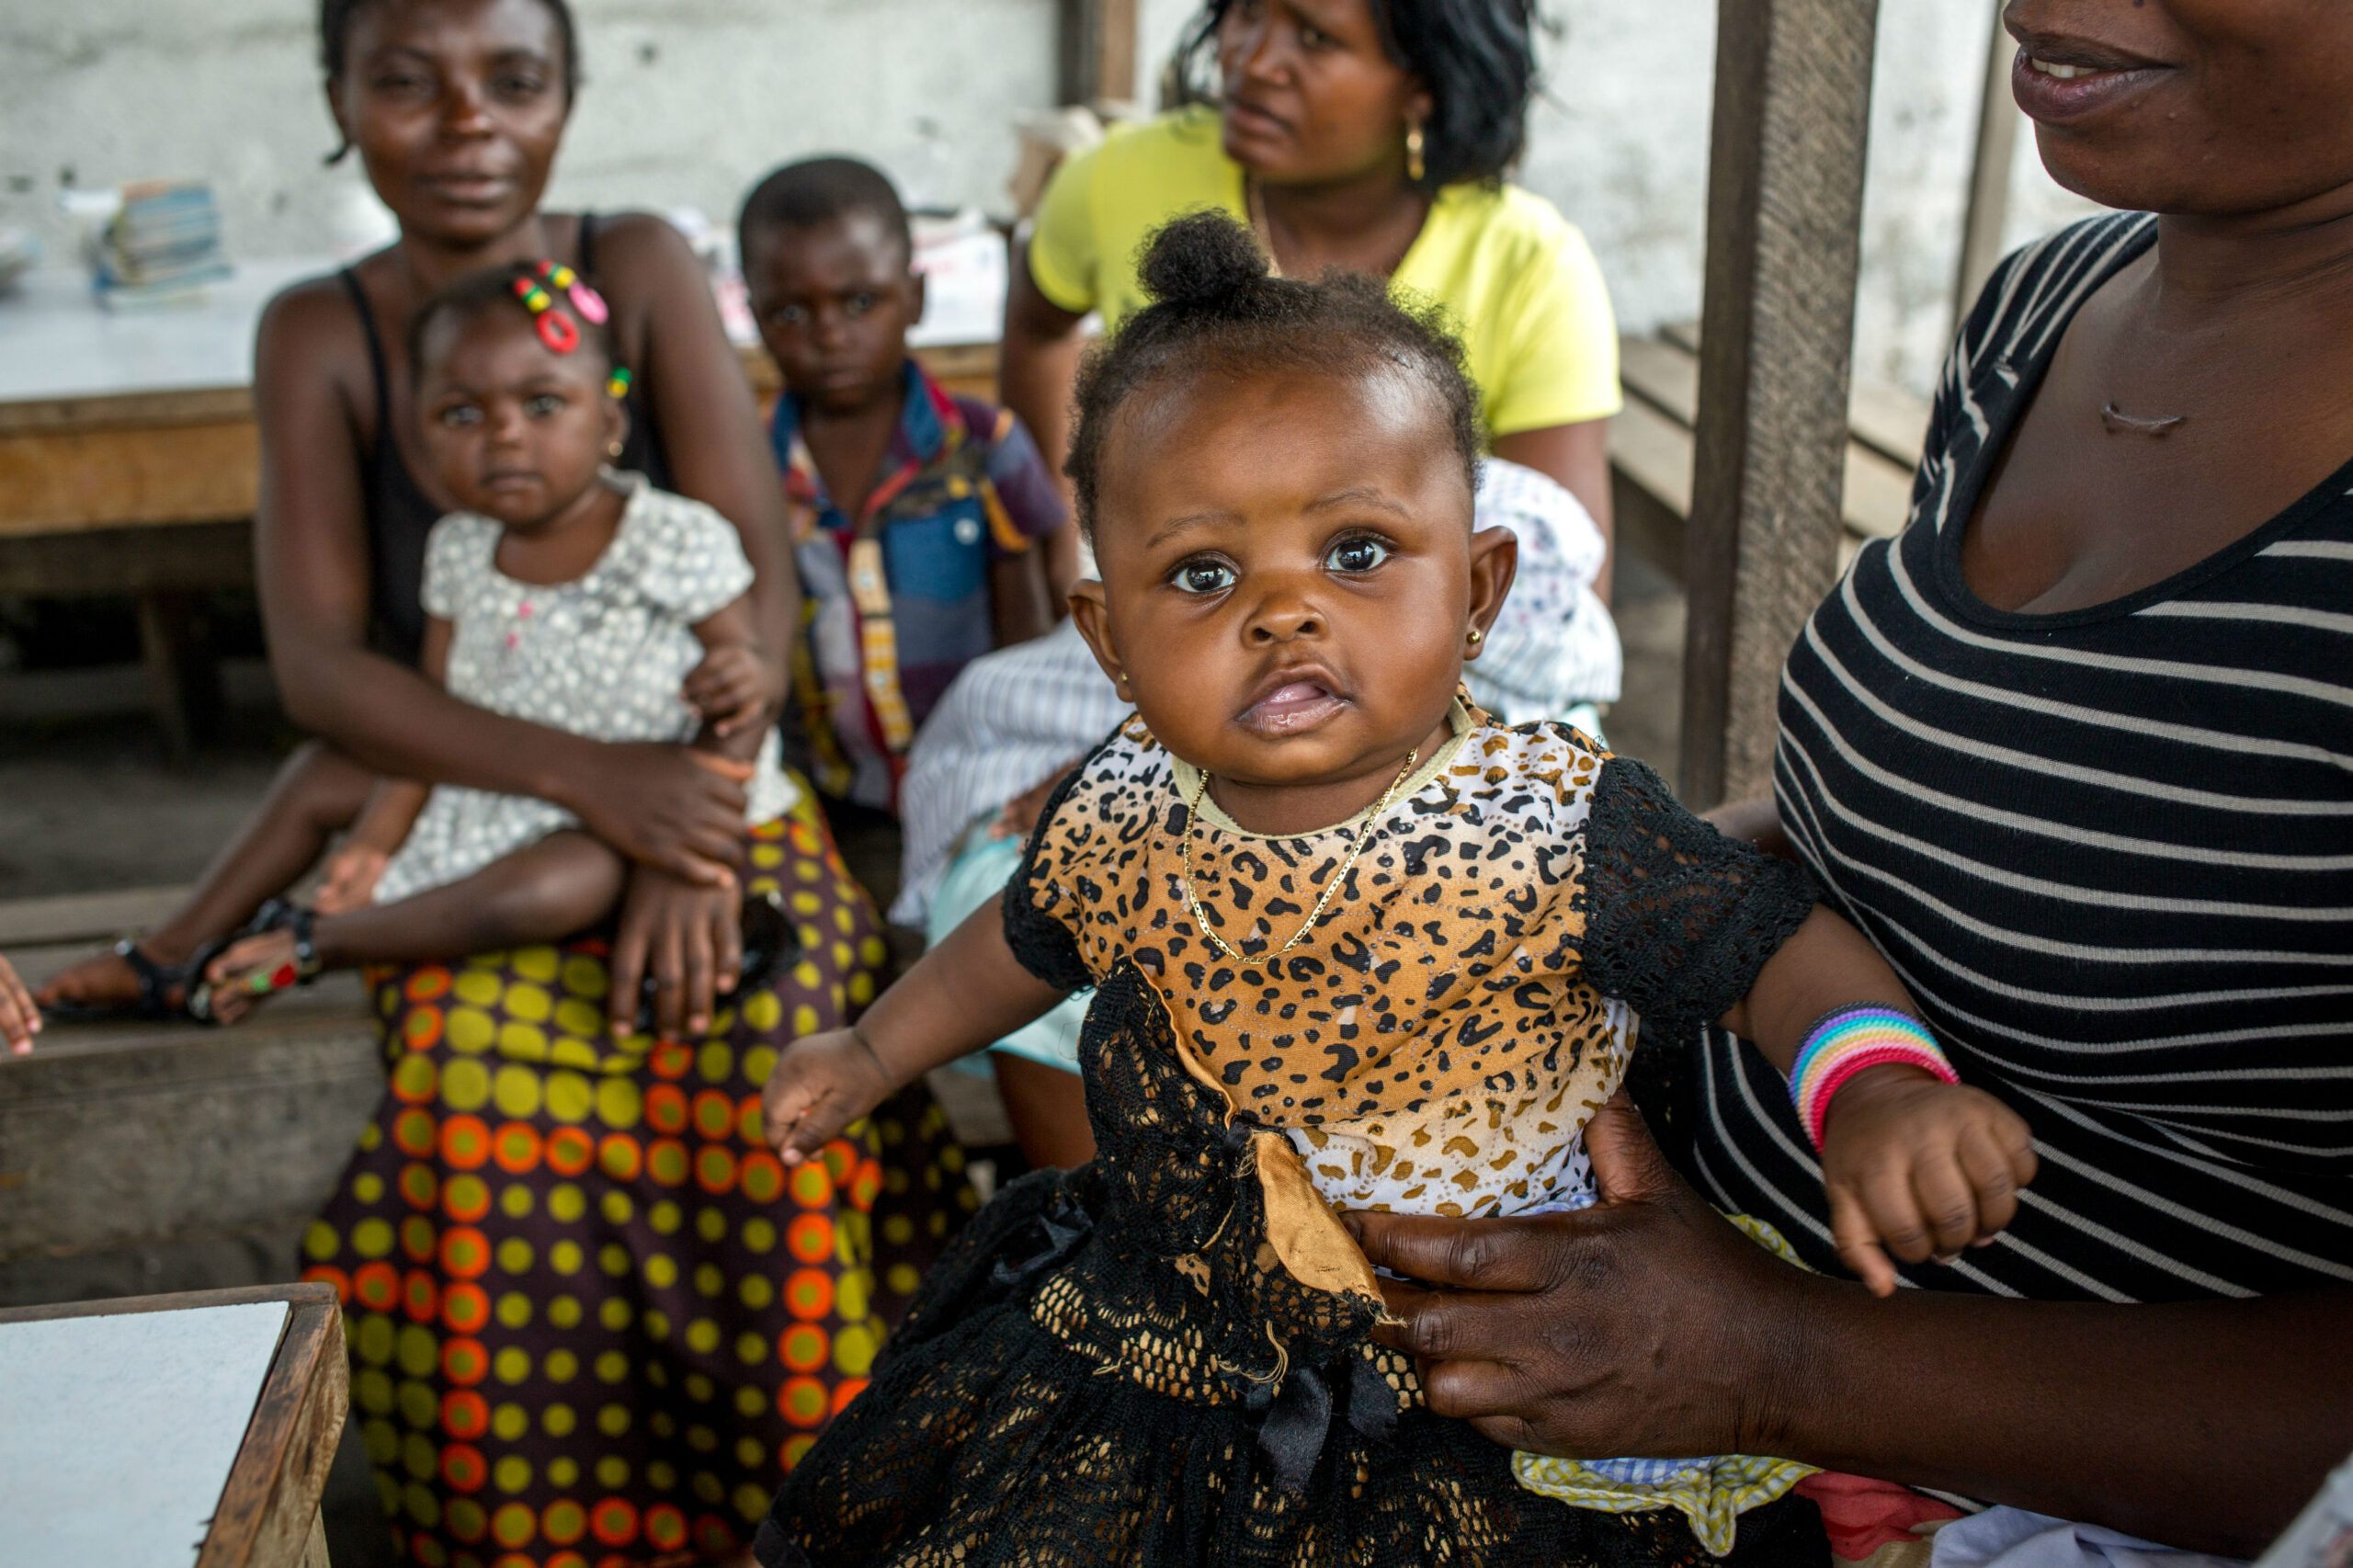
1112	1366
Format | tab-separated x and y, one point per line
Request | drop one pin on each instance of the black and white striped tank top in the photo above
2109	851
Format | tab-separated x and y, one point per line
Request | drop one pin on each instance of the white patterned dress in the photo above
603	657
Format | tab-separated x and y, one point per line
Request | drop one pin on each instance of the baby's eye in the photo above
788	315
860	304
1357	554
458	416
1203	577
542	404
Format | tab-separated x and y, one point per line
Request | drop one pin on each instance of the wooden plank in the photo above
1098	52
1890	421
58	481
270	1509
128	410
131	559
1650	483
1662	380
85	918
1988	211
1792	104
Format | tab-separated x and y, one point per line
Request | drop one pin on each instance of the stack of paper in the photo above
161	246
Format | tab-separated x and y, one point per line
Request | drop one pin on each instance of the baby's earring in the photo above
614	449
1477	637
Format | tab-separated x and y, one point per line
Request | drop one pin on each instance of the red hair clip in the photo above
556	329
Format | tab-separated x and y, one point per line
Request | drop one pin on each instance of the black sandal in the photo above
770	939
278	915
156	981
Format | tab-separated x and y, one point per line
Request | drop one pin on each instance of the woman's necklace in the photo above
1364	835
1260	227
2116	422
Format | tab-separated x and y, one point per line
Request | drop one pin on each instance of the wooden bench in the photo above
1651	446
143	1156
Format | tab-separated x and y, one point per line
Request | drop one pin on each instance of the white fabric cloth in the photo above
1014	717
603	656
2013	1537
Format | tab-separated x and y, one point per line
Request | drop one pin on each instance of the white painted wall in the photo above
690	100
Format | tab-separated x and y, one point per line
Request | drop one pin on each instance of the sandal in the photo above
770	939
278	915
156	982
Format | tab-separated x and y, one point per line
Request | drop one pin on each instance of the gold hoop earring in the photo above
1414	168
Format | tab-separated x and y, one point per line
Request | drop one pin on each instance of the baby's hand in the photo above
1918	1168
821	1085
730	687
19	1020
352	874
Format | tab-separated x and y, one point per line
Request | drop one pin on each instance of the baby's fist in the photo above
730	687
1919	1168
821	1085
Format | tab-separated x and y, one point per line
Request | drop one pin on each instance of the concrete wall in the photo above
687	101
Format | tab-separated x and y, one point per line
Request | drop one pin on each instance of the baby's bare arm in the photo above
1911	1165
968	991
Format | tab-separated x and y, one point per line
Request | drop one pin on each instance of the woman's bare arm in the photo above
1576	457
313	569
1037	368
695	386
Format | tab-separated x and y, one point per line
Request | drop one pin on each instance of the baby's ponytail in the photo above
1217	306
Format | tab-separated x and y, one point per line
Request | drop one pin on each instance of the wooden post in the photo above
1098	50
1785	187
1989	177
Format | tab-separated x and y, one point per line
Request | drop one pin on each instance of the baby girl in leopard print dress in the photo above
1356	944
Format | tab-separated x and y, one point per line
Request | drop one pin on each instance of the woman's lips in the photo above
2062	85
1294	706
1253	121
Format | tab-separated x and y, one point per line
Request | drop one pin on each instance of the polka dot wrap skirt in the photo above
592	1318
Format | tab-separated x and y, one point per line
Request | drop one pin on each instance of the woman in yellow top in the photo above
1367	134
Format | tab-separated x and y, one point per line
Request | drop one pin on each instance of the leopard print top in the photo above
1469	998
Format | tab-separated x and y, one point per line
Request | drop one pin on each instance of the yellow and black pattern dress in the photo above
592	1318
1165	1356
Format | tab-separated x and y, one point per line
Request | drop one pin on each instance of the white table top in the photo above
57	341
118	1433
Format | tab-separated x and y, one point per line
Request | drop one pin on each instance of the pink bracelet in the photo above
1845	1041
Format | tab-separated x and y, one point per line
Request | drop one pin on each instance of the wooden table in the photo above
129	460
121	1422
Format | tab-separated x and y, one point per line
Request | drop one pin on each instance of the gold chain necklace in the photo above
1364	836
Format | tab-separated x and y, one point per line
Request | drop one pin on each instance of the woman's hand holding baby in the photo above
821	1085
350	879
1918	1167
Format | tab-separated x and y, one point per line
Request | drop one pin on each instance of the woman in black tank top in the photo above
740	1331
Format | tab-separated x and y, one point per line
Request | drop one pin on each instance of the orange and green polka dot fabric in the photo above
592	1318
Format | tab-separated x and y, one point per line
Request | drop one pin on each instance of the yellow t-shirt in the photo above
1516	280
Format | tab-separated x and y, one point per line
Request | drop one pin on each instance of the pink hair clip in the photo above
585	300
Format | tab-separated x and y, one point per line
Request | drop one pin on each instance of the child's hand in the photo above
352	874
19	1020
1918	1168
821	1085
732	688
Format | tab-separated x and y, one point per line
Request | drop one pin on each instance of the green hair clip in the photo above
617	384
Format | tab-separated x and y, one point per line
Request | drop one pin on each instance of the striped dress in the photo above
2110	851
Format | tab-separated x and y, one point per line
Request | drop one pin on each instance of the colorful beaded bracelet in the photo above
1843	1042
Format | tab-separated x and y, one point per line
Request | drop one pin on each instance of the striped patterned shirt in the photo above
2111	852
